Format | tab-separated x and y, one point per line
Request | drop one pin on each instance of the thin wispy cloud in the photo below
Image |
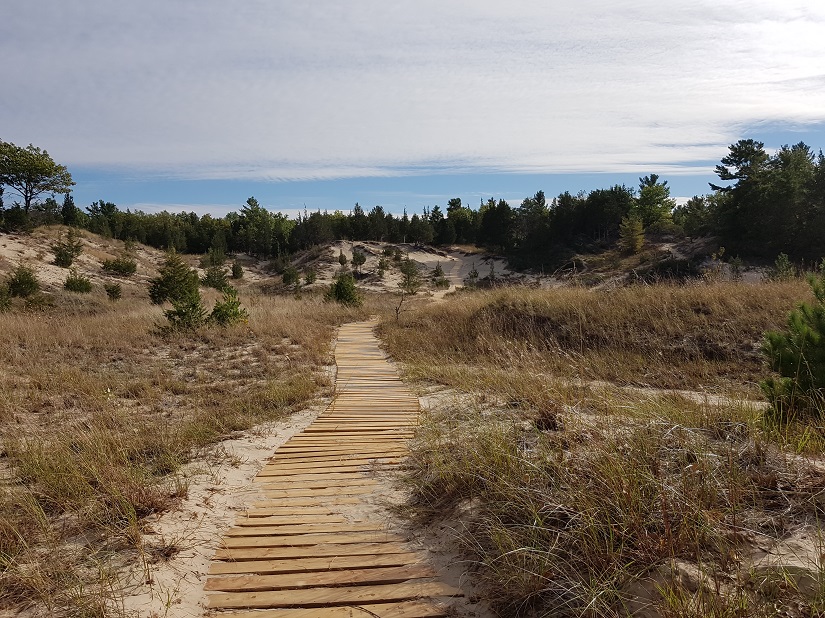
279	90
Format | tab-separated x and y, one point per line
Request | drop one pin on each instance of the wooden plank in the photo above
321	501
314	551
255	583
299	540
289	520
260	529
318	597
404	609
315	473
327	476
305	565
350	490
330	461
268	510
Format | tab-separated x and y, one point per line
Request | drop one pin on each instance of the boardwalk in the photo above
307	550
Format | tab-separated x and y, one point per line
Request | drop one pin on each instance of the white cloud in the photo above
286	90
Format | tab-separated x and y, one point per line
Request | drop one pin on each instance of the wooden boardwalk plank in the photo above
311	551
299	552
308	565
318	597
257	583
405	609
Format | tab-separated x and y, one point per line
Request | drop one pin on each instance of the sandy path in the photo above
220	487
321	535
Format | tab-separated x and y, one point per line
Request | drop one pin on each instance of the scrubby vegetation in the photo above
67	248
22	282
101	411
75	282
579	484
124	266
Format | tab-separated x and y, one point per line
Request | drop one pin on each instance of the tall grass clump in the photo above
666	336
574	520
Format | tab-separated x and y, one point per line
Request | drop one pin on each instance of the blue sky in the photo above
199	104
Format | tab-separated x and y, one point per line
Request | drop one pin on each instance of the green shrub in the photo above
383	266
798	355
442	283
113	291
237	270
75	282
22	282
782	269
67	248
215	277
187	312
343	291
342	259
290	276
631	234
176	281
310	276
410	281
124	266
228	311
214	257
358	260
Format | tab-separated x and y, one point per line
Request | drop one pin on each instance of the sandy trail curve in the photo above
318	543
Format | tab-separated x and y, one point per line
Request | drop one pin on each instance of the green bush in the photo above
113	291
22	282
124	266
410	280
76	282
798	355
176	281
228	311
358	260
343	291
215	277
342	259
782	269
237	270
310	276
187	312
67	248
214	257
290	276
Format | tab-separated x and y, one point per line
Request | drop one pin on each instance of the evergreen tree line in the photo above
772	204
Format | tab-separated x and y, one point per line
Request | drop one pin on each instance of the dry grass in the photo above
570	513
578	495
691	337
98	412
